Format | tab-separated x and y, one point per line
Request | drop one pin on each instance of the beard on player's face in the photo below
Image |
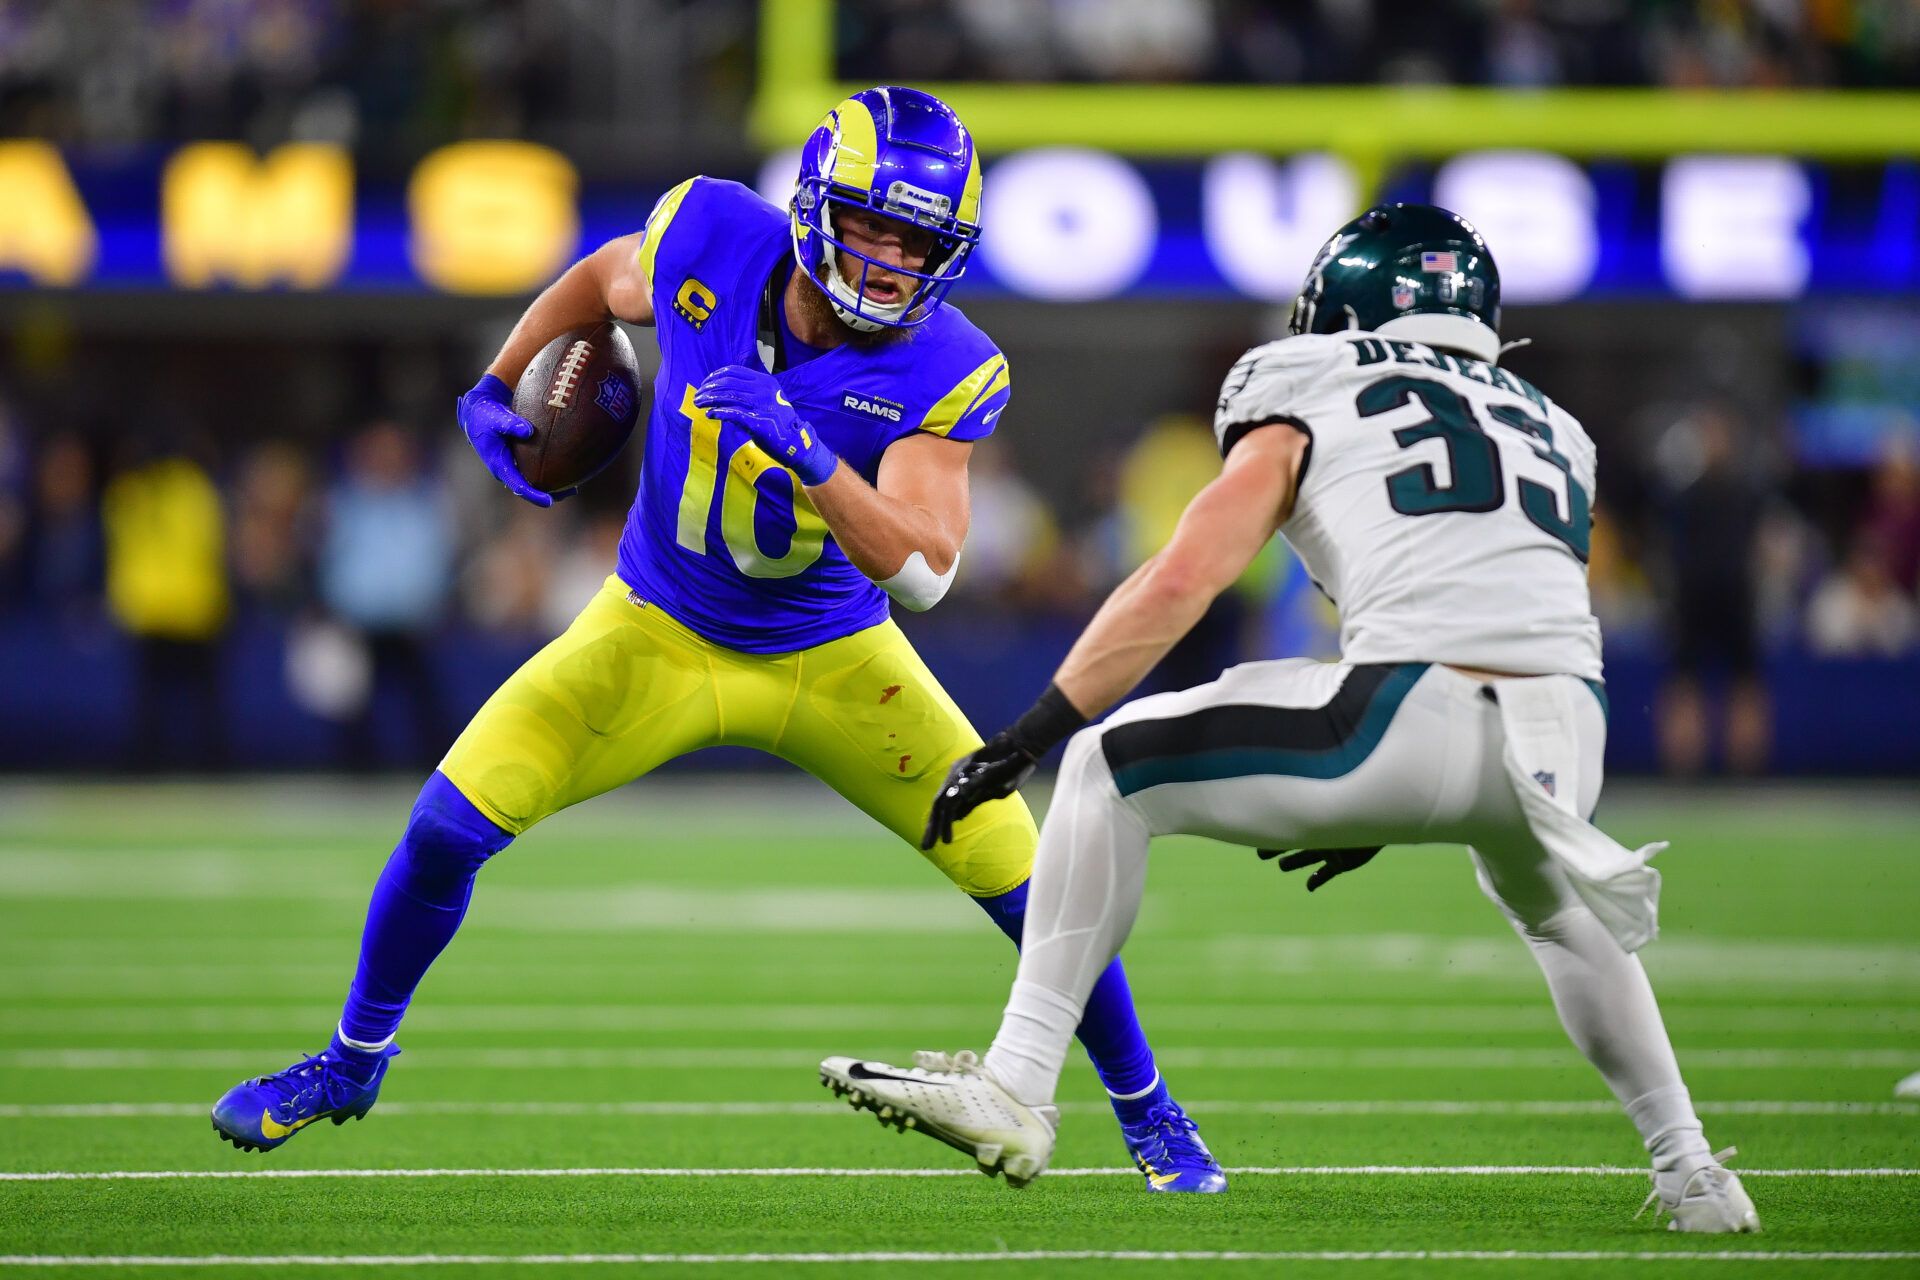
818	311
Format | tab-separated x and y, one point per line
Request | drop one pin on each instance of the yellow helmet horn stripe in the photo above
857	146
969	211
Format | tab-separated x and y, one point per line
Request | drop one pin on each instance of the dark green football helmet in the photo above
1412	271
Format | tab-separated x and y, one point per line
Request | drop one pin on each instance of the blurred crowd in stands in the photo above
1514	43
390	78
400	76
371	545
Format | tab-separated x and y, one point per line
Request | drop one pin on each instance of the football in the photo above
582	395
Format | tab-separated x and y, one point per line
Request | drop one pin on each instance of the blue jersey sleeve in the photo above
698	221
971	408
665	209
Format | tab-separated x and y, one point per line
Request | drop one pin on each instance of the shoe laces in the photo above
1168	1136
315	1078
964	1063
1721	1158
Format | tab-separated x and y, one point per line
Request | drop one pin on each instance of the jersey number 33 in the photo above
1476	481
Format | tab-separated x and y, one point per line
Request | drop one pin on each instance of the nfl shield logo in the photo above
1402	296
1445	261
1546	781
614	397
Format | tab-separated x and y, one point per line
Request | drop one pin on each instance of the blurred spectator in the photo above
166	537
15	471
1135	39
1712	506
1012	541
272	527
386	570
1860	611
1521	53
1175	458
508	585
581	568
1892	525
1622	600
65	544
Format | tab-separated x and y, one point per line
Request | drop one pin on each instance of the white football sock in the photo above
360	1046
1607	1007
1088	876
1135	1097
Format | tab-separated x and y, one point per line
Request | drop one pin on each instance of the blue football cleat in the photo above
1166	1146
260	1114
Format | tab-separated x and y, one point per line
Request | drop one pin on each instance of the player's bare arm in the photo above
919	509
1219	534
607	282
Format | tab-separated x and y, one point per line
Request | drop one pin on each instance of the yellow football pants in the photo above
626	688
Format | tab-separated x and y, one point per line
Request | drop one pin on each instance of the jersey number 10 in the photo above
738	502
1477	482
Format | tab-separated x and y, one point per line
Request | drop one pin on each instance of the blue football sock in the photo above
418	904
1109	1028
354	1059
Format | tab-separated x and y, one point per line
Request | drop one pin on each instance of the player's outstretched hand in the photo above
1332	862
486	415
994	771
751	400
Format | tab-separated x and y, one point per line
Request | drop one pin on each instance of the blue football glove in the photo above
751	400
486	415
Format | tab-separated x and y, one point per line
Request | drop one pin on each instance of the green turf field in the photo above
616	1056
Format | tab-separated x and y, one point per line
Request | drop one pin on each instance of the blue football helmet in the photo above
902	154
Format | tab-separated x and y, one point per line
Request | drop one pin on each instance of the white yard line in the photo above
1247	1058
1359	1107
129	1020
534	917
1331	1170
1008	1255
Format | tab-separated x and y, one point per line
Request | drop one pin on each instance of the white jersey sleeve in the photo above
1444	503
1269	384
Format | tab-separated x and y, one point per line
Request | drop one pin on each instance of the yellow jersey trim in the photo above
657	224
989	379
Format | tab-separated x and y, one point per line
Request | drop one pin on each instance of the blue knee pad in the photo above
447	841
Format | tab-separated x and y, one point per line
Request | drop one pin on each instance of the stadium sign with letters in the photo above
1063	224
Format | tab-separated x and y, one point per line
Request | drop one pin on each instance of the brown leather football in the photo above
582	394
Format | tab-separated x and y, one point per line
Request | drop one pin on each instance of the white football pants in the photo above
1302	754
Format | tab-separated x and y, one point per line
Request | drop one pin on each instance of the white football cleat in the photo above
1710	1201
951	1097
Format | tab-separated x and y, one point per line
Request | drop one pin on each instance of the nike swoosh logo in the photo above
987	421
860	1071
1162	1179
272	1129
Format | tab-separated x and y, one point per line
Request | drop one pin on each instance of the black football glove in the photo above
1332	862
994	771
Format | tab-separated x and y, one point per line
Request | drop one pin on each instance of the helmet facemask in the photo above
815	203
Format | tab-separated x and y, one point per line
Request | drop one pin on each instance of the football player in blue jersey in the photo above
806	460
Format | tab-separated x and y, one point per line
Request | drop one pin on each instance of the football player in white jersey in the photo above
1443	505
